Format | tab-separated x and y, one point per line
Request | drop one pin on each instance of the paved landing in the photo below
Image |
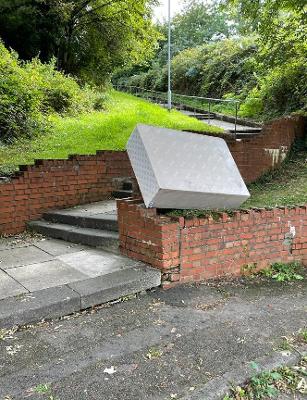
223	124
47	263
49	278
92	209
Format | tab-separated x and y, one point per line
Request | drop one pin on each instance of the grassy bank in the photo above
108	130
287	186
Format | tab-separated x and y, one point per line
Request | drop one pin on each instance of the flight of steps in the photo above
96	225
91	225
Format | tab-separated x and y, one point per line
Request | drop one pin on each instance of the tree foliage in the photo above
281	26
88	37
200	23
262	63
197	24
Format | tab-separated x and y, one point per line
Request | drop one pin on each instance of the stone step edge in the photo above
97	238
73	229
60	301
106	222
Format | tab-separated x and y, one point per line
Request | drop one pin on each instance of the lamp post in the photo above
169	91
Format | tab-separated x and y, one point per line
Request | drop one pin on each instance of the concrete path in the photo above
56	270
227	126
164	345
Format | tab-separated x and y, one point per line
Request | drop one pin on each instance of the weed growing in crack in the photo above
270	384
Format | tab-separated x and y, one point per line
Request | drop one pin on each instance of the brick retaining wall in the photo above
51	184
260	154
191	250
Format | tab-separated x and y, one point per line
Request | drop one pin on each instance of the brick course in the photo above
191	250
256	156
54	184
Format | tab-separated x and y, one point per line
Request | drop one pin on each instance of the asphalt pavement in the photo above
160	345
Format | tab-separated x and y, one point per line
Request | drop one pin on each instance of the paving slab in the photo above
20	240
9	287
56	247
45	275
97	262
21	256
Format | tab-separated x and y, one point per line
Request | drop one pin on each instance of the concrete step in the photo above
116	285
91	237
122	194
58	301
97	221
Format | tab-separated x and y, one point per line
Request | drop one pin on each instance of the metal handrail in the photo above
210	100
182	95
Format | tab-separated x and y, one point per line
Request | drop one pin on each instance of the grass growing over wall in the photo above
94	131
287	186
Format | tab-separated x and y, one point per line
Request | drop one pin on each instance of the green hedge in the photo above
211	70
20	100
232	68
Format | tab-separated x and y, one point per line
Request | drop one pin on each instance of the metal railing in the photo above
198	103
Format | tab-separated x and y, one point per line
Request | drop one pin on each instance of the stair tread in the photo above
76	229
122	194
101	216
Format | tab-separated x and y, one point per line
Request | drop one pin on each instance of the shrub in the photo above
210	70
282	91
19	100
60	93
30	91
238	68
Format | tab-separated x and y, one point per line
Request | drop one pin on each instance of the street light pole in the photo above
169	92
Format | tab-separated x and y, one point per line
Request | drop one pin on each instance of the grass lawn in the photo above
285	187
108	130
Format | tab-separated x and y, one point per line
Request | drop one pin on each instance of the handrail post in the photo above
236	120
209	113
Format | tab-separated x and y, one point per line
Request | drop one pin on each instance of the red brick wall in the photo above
260	154
51	184
190	250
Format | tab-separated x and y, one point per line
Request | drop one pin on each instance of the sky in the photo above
161	12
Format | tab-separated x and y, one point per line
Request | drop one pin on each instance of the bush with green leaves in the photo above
280	92
284	272
20	99
60	93
32	90
237	69
213	69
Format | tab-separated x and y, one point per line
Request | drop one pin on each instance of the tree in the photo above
200	23
281	61
280	25
88	37
197	24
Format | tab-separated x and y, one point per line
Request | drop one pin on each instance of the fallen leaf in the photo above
110	370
